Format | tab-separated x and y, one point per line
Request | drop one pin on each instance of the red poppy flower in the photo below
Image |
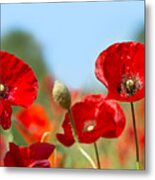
33	122
121	69
36	155
18	86
94	117
57	160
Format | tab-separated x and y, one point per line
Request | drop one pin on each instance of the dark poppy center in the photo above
129	86
2	90
89	125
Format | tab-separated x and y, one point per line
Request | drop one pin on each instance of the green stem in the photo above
135	136
72	124
85	154
97	155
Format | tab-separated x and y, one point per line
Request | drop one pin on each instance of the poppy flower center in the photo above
129	86
2	90
89	125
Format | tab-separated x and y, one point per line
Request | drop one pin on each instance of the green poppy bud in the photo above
61	95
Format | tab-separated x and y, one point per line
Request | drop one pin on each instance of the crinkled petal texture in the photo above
118	63
5	114
19	80
94	117
36	155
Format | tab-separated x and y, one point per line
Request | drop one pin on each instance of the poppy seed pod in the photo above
61	95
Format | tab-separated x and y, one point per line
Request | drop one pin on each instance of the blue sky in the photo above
73	34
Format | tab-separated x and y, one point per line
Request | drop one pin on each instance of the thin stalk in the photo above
85	154
44	136
135	136
97	155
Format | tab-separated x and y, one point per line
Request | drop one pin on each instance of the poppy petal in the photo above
19	79
5	114
114	118
41	151
40	164
67	138
12	157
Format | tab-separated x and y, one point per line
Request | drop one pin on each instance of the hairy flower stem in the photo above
97	155
85	154
135	135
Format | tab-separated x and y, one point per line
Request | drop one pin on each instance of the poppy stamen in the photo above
89	125
2	90
129	86
129	83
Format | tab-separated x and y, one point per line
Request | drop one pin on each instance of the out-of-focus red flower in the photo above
2	150
56	160
36	155
121	69
140	134
105	162
124	146
18	86
33	122
140	110
94	117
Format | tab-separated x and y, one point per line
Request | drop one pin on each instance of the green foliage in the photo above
141	36
24	46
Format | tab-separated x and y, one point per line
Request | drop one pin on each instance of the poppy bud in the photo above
61	95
